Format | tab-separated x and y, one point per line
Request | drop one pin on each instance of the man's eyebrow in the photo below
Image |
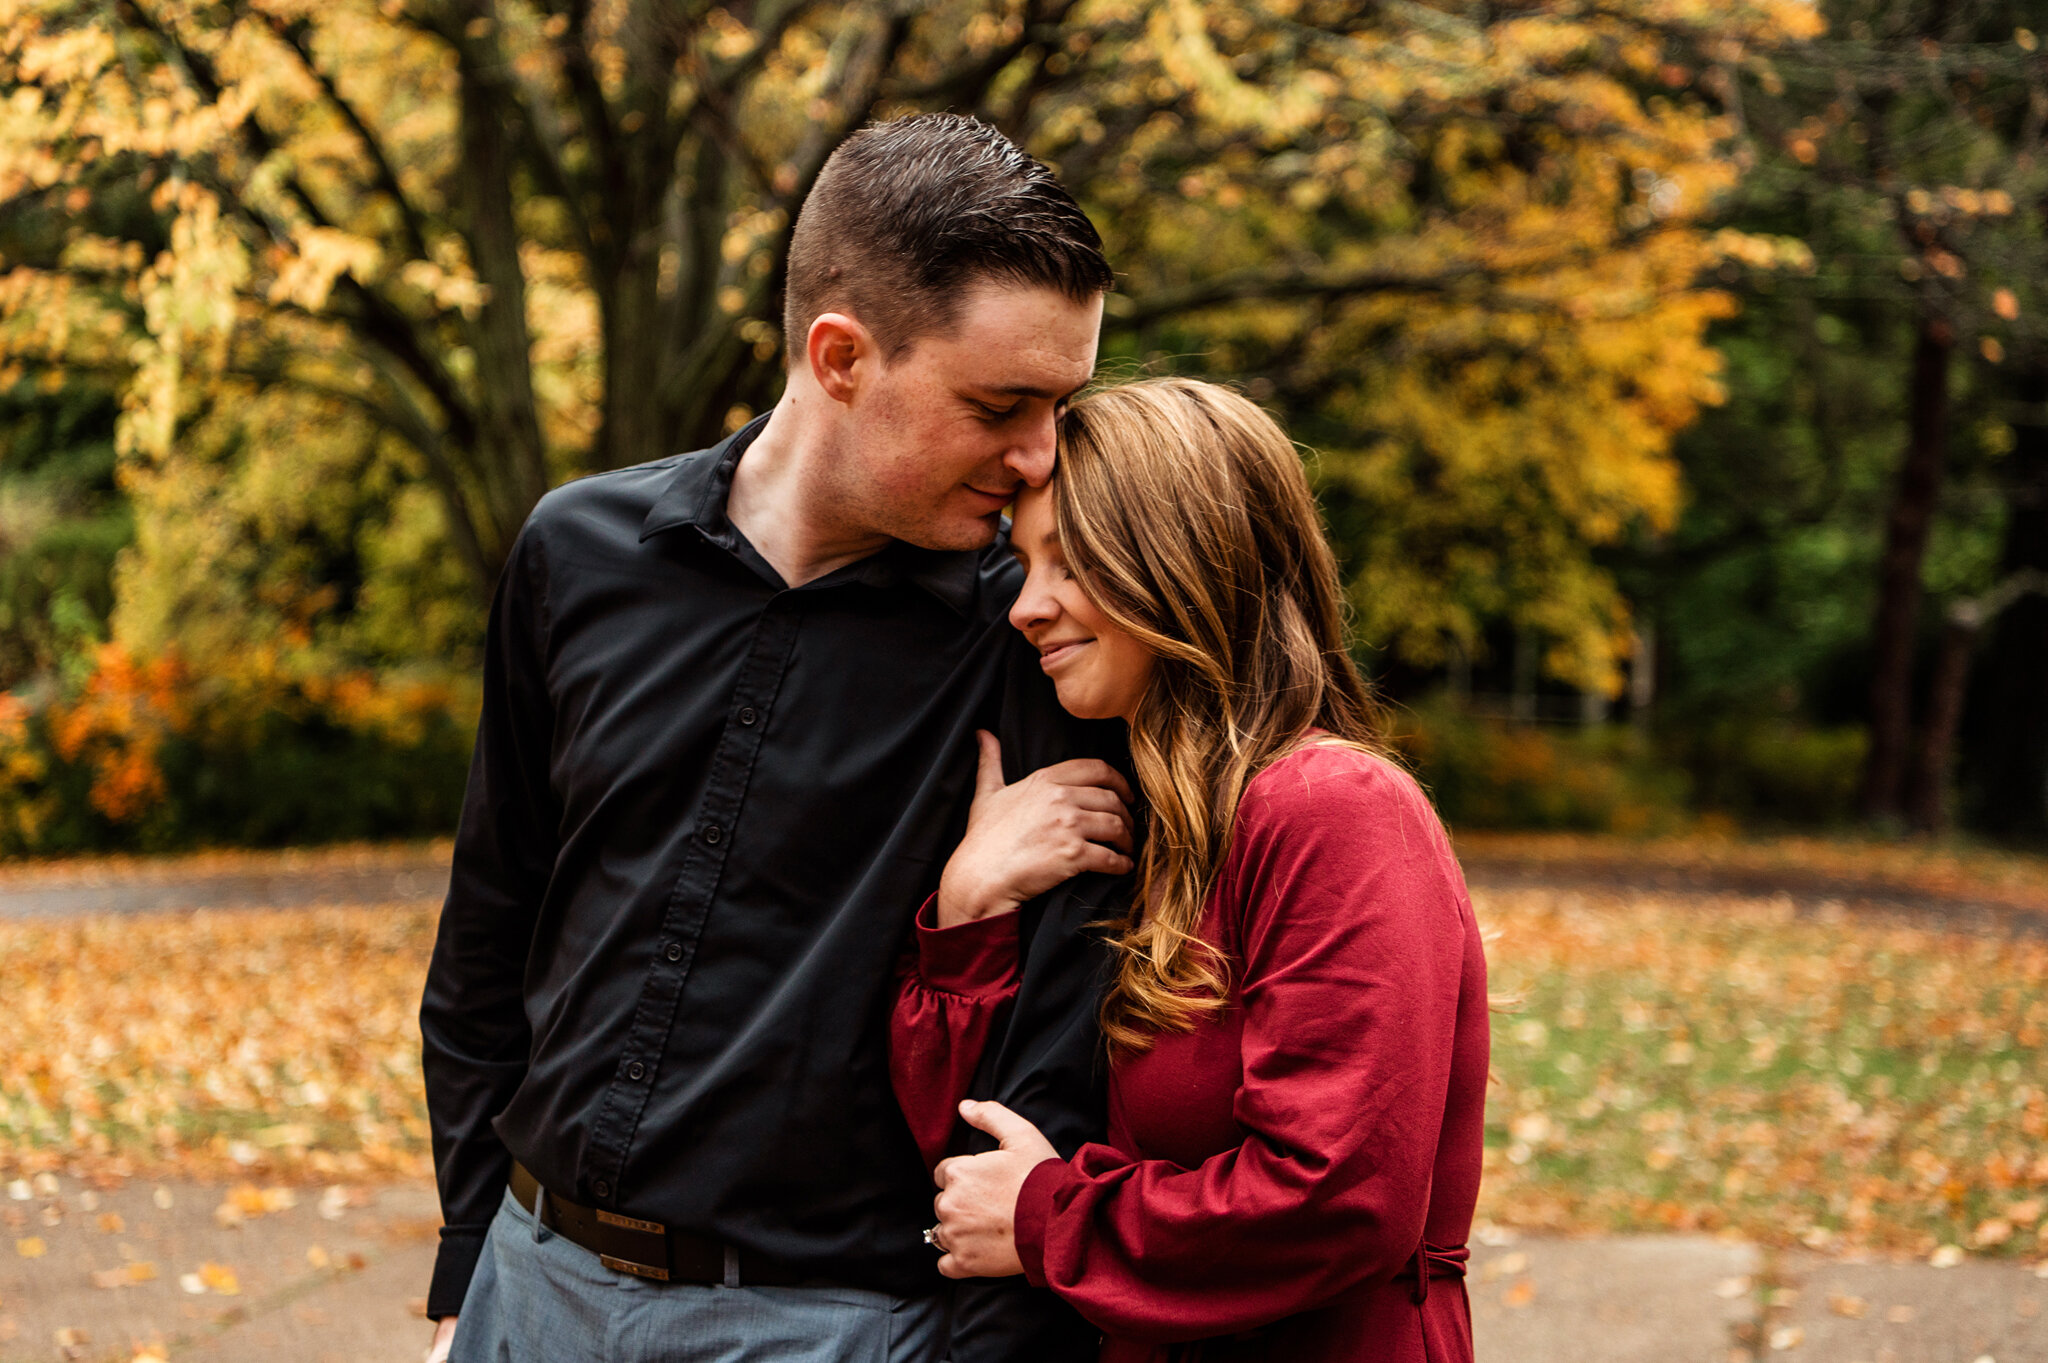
1032	390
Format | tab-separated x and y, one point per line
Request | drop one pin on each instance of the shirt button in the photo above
712	834
674	951
748	715
601	1188
636	1071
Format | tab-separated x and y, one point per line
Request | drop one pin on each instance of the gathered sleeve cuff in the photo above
1035	1203
952	989
976	960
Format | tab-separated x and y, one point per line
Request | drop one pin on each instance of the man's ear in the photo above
841	353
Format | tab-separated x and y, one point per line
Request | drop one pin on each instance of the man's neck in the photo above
780	501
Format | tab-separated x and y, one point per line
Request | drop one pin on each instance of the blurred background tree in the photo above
1873	559
337	291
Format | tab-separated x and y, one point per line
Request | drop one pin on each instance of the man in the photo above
727	742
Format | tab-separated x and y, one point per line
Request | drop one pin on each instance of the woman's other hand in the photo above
1023	839
977	1201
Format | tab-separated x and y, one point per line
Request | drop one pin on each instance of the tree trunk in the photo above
1899	591
1929	802
2005	758
510	460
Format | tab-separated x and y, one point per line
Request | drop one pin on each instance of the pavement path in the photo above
337	1276
389	874
273	880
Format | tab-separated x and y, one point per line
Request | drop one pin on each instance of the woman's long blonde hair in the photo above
1184	513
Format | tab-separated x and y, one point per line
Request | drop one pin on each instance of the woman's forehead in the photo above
1031	521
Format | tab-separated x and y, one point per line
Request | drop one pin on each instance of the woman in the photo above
1297	1018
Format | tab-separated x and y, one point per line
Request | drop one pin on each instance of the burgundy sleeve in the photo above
1352	951
951	989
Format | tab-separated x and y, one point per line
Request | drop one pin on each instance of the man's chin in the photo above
978	533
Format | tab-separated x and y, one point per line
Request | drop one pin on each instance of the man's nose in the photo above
1031	458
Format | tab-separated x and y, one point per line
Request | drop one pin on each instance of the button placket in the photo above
695	888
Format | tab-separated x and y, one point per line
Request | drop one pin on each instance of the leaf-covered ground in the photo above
1674	1061
1706	1062
220	1043
1839	865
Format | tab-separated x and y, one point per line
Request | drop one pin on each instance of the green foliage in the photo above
1772	770
62	525
1488	773
213	766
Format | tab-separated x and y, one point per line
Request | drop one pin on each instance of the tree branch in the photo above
380	318
293	35
1274	283
775	19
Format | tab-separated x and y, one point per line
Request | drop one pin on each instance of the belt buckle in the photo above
655	1242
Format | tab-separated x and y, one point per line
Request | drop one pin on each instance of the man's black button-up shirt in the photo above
702	811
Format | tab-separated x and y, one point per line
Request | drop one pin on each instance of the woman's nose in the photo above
1034	607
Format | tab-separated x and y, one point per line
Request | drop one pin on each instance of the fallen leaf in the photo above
1992	1231
219	1278
1948	1256
316	1256
141	1271
285	1134
250	1200
31	1247
111	1223
1844	1305
1519	1295
192	1283
1731	1288
1787	1337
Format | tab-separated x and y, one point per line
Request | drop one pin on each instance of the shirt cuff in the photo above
1034	1213
454	1266
972	958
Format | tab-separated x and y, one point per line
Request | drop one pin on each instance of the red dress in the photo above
1273	1179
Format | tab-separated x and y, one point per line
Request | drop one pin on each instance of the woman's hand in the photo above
1024	839
977	1201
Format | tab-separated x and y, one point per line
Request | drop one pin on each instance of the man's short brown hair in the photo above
907	213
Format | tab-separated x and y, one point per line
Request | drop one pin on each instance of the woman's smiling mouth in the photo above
1053	655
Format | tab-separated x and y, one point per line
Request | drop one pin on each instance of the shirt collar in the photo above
696	497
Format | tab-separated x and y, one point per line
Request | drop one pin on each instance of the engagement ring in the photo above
931	1237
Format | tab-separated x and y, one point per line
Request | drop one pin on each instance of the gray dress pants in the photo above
538	1298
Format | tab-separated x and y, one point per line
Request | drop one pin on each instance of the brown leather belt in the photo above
648	1249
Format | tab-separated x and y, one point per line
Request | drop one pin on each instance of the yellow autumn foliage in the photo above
370	279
